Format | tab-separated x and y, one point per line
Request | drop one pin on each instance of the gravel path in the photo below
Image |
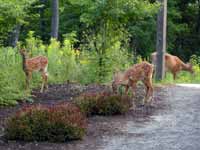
177	127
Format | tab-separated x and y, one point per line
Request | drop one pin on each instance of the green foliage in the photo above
108	32
12	13
11	76
99	67
103	103
65	63
59	123
62	61
183	28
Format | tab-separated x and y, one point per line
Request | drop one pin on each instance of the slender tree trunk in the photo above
134	49
42	20
15	35
198	19
55	19
198	25
161	40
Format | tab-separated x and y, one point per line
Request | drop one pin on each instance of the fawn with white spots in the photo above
38	63
138	72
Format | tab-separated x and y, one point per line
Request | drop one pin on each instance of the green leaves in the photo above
12	13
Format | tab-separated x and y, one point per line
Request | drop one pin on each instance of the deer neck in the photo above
24	58
185	67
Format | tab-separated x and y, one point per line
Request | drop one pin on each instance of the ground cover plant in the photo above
59	123
104	103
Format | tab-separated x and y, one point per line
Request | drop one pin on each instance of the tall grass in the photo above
11	76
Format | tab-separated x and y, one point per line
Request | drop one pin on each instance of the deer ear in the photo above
20	50
115	70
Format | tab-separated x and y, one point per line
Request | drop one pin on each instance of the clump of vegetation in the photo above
58	123
103	103
12	78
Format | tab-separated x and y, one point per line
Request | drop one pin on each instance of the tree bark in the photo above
55	19
42	20
161	40
15	35
198	19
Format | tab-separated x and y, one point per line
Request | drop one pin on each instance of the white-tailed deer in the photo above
39	63
173	64
138	72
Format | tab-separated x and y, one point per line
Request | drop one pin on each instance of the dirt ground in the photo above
161	126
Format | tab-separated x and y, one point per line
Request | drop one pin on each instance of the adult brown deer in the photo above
38	63
173	64
138	72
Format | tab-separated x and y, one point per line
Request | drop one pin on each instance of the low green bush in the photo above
103	103
58	123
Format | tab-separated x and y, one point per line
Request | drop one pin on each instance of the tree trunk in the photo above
161	40
55	19
134	49
42	20
198	19
102	67
15	35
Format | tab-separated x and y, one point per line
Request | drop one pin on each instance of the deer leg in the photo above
174	75
28	78
46	78
27	83
149	91
149	94
44	81
133	87
114	88
126	89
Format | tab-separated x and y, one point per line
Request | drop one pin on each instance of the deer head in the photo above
190	68
118	79
23	52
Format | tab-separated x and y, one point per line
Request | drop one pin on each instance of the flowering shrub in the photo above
59	123
103	103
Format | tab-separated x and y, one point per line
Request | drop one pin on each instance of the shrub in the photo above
103	103
59	123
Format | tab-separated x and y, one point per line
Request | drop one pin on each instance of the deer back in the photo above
38	63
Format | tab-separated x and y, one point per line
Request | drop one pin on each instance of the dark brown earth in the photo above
172	122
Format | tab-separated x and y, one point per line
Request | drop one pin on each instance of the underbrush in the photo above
103	103
58	123
12	81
